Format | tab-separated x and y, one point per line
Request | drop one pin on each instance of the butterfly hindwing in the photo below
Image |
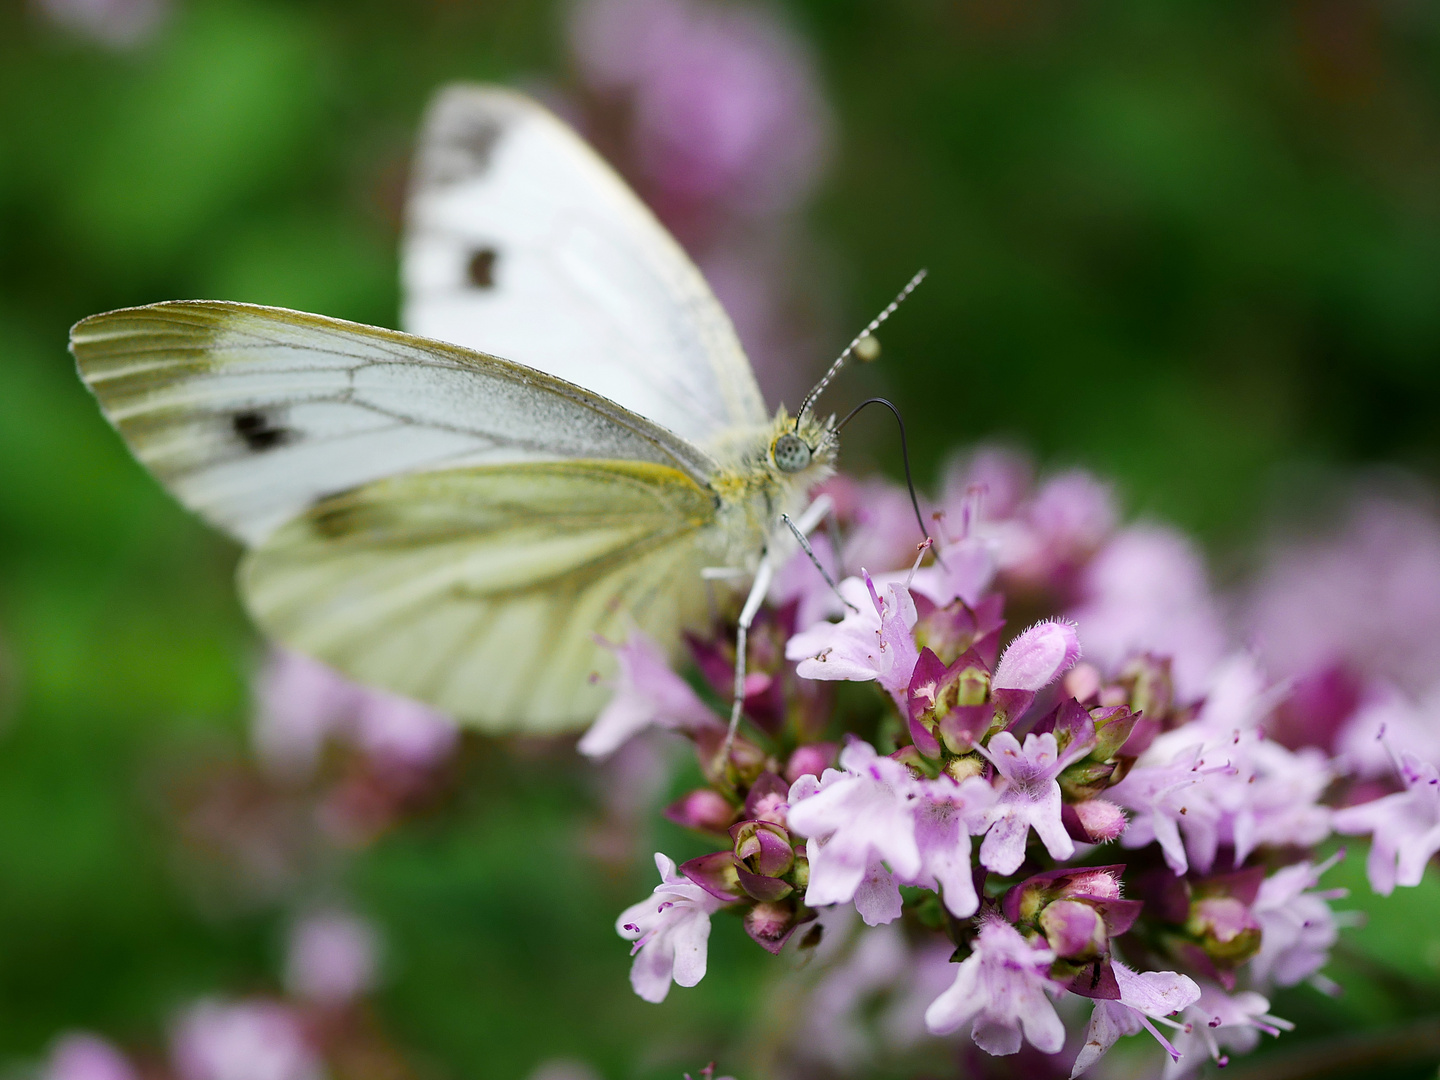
251	414
522	241
482	590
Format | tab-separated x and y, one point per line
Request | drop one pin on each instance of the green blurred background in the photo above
1194	245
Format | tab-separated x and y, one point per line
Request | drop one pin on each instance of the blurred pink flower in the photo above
798	580
82	1056
647	693
833	1028
300	703
1147	591
243	1040
331	958
1367	596
1389	722
1297	926
1003	476
725	101
1041	537
1404	828
881	530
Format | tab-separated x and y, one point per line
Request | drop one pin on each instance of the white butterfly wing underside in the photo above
482	590
528	513
522	241
252	414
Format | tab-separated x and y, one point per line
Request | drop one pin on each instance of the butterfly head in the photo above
797	448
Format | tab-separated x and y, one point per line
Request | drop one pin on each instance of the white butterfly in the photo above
446	524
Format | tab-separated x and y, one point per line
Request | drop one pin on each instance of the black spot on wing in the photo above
480	271
466	150
259	431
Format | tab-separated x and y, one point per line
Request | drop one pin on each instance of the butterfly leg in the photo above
764	576
815	561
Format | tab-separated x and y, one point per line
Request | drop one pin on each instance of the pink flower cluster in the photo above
972	799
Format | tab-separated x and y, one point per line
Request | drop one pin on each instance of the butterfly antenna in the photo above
874	325
904	455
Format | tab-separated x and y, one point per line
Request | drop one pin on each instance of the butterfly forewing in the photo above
482	590
251	414
522	241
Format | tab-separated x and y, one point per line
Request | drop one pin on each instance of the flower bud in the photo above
1085	779
948	702
770	924
716	873
763	847
1112	730
1094	821
810	760
1074	930
1225	929
704	809
1038	657
1151	688
766	799
763	853
745	763
1024	902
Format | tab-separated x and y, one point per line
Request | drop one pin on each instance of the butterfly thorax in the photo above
763	473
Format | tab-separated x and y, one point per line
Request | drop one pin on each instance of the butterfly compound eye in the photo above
790	453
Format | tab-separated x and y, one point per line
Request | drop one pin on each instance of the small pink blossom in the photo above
1404	827
1004	476
962	569
1144	996
1199	787
1298	929
670	930
946	814
1001	988
82	1056
244	1040
397	732
1167	793
1029	799
858	818
331	958
1217	1022
881	524
872	641
647	692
